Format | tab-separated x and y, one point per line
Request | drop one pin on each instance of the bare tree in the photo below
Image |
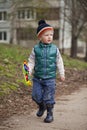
76	19
83	4
86	49
63	30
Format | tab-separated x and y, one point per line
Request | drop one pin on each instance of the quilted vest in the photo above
45	61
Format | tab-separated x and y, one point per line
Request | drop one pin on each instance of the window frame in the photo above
3	36
26	14
3	16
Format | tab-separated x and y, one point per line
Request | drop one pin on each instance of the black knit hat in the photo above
43	26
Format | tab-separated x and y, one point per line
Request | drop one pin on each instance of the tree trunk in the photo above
74	31
74	47
86	53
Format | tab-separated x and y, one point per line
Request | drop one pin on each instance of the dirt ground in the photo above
17	111
70	113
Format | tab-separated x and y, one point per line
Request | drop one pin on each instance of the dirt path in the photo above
70	113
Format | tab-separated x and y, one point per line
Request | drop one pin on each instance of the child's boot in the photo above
41	110
49	117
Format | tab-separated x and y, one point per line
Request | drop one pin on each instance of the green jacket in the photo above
45	61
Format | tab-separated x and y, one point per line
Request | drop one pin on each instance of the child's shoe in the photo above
49	117
41	110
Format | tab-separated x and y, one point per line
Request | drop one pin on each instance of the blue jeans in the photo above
43	91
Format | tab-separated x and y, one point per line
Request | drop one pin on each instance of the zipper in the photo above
45	60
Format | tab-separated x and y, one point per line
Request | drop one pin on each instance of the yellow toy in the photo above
27	77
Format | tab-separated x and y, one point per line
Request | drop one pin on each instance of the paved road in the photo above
70	113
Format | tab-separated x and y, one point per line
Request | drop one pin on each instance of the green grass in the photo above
11	53
11	63
74	63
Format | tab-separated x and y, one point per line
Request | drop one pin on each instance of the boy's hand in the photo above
62	78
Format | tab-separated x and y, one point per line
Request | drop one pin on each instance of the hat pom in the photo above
41	22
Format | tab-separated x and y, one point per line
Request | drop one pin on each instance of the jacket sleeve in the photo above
60	64
31	61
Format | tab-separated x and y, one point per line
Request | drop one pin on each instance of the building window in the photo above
22	14
26	34
26	14
19	13
0	15
3	36
3	16
0	35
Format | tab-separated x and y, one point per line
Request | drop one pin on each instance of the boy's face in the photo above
47	36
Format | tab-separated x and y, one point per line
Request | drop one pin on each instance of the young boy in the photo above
44	60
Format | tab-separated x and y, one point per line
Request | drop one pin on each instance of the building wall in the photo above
4	23
24	25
